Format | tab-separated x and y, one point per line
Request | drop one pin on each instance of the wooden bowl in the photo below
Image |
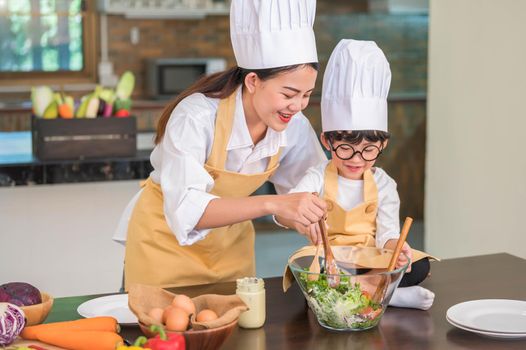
36	314
206	339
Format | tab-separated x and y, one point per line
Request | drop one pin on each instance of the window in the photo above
47	40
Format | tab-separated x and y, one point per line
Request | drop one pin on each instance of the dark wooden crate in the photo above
61	139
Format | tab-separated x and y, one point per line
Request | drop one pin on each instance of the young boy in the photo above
363	203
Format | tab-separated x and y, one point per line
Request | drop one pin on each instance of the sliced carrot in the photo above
102	323
81	340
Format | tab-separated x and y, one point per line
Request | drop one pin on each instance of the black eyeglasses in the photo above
346	151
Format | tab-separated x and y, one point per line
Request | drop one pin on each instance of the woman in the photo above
218	142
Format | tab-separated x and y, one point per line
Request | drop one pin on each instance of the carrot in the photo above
81	340
102	323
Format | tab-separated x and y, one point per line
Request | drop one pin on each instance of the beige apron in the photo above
153	254
356	227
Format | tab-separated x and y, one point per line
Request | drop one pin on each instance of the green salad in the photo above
343	307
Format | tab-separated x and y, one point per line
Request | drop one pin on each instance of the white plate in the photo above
491	315
111	305
489	334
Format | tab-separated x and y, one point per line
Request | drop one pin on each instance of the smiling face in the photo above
354	167
276	100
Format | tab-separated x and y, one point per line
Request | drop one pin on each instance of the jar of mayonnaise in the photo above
252	291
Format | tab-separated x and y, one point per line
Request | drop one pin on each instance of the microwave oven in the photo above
168	77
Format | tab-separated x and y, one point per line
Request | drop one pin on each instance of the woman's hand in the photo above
406	249
303	208
311	232
300	211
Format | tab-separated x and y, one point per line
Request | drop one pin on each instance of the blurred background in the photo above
455	114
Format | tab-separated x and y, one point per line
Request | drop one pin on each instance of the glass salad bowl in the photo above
360	295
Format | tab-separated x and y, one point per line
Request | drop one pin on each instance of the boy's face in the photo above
354	167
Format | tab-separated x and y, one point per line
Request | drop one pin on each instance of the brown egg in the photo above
176	319
185	303
157	314
206	315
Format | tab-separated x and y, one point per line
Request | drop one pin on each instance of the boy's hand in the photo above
406	249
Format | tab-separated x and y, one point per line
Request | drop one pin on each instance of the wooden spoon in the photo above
401	240
330	264
314	267
380	290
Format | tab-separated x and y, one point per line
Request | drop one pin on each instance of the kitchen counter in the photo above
291	325
19	166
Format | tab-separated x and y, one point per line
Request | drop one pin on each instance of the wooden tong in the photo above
381	289
331	268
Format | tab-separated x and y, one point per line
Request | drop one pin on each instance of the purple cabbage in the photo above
4	297
12	321
20	294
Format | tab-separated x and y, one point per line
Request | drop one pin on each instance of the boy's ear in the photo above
384	144
251	81
324	142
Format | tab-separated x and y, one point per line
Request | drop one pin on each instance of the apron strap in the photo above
330	187
223	129
222	132
370	190
274	160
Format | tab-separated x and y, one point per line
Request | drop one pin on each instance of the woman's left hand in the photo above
311	232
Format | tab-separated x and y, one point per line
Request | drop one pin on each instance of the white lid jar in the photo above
252	291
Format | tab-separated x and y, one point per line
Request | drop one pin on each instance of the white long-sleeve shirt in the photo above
350	194
178	161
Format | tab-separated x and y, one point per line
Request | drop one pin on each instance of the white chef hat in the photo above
355	87
273	33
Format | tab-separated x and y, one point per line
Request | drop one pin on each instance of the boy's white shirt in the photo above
350	194
178	161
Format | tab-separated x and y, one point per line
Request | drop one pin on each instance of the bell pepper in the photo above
136	346
163	341
122	113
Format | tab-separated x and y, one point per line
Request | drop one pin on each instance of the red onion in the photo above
12	321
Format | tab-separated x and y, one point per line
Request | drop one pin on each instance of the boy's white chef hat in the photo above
273	33
355	87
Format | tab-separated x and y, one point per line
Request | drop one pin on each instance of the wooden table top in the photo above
291	325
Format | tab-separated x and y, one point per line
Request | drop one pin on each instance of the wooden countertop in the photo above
291	325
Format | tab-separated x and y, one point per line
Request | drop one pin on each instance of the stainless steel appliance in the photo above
167	77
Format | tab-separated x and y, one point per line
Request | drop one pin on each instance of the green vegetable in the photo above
343	307
125	85
41	97
81	110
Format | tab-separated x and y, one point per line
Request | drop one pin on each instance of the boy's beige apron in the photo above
153	254
356	227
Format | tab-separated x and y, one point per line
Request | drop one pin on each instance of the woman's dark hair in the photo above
221	85
356	136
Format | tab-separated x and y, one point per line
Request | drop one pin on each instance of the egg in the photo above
176	319
206	315
157	314
185	303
